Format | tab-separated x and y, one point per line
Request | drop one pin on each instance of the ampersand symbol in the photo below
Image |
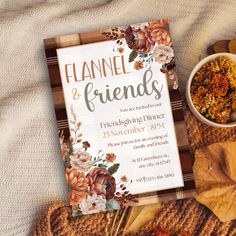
75	94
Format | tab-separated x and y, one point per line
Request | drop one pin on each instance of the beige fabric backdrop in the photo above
31	169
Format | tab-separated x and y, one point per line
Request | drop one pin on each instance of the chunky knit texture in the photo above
32	174
176	216
189	216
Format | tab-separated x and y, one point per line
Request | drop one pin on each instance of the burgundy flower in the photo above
101	183
139	40
86	144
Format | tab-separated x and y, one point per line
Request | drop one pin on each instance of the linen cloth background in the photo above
32	172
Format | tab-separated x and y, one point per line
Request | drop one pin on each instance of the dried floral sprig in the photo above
114	33
123	196
77	135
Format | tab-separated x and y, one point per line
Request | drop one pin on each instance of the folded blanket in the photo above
176	216
32	175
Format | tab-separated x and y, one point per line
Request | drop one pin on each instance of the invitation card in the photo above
120	117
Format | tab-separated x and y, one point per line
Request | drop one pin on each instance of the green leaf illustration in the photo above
132	56
112	205
77	213
113	168
143	55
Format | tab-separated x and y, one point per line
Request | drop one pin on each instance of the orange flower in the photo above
71	176
76	179
78	186
76	197
110	157
120	50
219	85
123	179
158	32
138	65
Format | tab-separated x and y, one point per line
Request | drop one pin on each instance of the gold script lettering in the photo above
75	94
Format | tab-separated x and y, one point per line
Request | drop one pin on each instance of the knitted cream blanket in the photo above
32	175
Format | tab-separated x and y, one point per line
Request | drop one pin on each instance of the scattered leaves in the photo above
132	56
113	168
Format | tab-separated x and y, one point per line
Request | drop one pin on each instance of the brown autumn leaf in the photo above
215	178
134	212
141	216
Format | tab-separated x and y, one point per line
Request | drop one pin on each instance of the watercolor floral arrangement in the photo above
92	187
150	42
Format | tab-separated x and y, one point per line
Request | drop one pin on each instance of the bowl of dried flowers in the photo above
211	90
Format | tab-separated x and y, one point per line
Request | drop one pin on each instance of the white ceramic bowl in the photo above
188	95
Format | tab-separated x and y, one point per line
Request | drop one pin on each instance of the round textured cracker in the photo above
232	46
221	46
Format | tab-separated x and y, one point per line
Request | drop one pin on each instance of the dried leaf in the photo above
147	213
215	179
134	212
72	122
